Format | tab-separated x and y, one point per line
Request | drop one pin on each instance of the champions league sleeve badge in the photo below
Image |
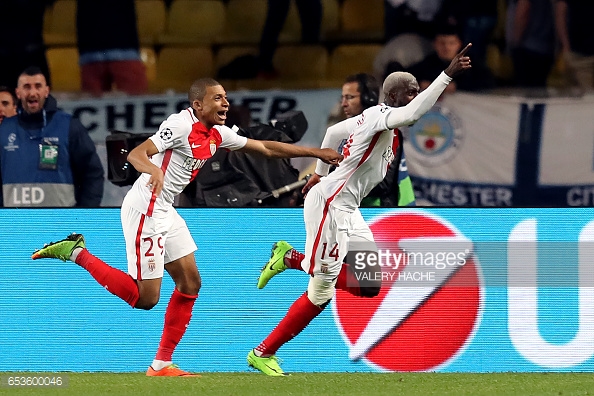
166	135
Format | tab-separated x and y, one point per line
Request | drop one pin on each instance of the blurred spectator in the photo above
400	53
310	14
7	103
575	30
47	158
410	16
476	21
446	45
108	46
21	44
530	32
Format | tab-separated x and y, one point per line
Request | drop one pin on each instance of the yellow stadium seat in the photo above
149	58
362	20
500	64
193	22
301	66
150	16
60	29
244	21
227	53
330	18
348	59
64	69
178	67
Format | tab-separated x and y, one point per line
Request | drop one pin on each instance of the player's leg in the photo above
284	256
361	273
181	266
326	239
130	288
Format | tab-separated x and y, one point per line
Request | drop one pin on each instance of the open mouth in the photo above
222	114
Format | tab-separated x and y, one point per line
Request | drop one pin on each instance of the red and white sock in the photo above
293	259
114	280
177	319
297	318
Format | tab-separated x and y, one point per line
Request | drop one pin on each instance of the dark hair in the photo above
31	71
4	88
368	88
447	29
198	88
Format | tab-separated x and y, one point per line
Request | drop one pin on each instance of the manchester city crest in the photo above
436	137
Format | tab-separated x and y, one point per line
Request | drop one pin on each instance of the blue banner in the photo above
518	295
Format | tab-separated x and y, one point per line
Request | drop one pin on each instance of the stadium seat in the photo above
330	19
193	22
227	53
149	58
499	63
244	22
352	58
178	67
362	20
151	16
64	69
60	27
302	66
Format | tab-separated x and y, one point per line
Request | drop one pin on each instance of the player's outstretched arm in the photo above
272	149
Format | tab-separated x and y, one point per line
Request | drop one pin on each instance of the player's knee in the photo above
147	302
370	291
190	284
320	292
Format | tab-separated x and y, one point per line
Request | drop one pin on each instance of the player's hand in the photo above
330	156
312	181
155	183
460	63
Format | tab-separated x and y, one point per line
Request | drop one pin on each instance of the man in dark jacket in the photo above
47	158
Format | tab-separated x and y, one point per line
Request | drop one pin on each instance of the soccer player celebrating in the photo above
156	236
331	205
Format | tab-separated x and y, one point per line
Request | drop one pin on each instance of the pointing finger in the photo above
465	50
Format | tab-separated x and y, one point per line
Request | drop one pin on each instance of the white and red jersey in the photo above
184	146
368	152
370	146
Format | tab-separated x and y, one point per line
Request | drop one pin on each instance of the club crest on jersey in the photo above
151	264
388	155
166	134
436	137
213	147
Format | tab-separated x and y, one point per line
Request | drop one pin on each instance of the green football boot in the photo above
62	249
267	365
276	264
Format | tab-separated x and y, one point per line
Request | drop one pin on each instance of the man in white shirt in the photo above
157	238
331	211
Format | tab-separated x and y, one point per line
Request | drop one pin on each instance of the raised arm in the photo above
424	101
272	149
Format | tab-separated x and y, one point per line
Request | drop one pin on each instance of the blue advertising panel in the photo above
465	290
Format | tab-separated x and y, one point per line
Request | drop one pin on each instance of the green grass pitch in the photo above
317	384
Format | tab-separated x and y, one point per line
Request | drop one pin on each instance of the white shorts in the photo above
329	231
151	243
